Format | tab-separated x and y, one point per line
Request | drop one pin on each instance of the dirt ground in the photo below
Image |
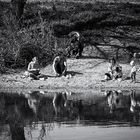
83	74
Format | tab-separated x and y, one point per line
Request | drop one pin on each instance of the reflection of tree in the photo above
18	7
15	109
16	112
17	132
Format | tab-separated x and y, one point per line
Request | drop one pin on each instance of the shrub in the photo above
62	28
21	45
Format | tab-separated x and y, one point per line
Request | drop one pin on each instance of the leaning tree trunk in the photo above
54	5
18	7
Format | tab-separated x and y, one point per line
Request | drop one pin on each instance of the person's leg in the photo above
33	76
41	76
134	77
131	76
80	49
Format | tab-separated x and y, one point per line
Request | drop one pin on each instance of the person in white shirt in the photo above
134	69
34	69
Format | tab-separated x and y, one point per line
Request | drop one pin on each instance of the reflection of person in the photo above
33	68
59	102
134	106
134	103
60	65
115	100
114	70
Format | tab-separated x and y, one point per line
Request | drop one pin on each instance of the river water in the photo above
112	115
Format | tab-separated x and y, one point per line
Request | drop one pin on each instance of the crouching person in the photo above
60	66
33	69
118	73
114	70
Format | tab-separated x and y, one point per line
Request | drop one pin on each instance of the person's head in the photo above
77	35
135	55
62	56
35	59
117	69
132	63
113	61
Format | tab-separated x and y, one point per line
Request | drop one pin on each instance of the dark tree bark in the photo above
54	6
18	7
17	132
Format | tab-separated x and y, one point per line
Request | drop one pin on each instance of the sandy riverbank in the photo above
86	75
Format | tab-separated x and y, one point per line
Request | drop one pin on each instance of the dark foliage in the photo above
43	32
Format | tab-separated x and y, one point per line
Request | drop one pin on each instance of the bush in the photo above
21	45
61	28
44	32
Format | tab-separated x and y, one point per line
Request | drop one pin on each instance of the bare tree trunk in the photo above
17	132
53	5
18	7
117	53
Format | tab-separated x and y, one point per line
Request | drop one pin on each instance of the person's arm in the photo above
65	64
54	64
29	67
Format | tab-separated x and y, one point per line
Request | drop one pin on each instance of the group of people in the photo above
115	70
59	64
60	68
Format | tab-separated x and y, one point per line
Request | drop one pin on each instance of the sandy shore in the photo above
84	75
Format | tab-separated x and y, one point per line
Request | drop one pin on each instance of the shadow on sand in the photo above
73	73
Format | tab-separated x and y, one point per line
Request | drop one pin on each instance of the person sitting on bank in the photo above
60	66
114	70
34	69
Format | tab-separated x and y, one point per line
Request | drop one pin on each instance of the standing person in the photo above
34	68
76	47
134	70
114	70
136	58
60	65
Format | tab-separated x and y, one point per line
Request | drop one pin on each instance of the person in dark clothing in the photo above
60	65
76	47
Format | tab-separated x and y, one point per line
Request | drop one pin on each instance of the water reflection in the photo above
116	100
34	111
